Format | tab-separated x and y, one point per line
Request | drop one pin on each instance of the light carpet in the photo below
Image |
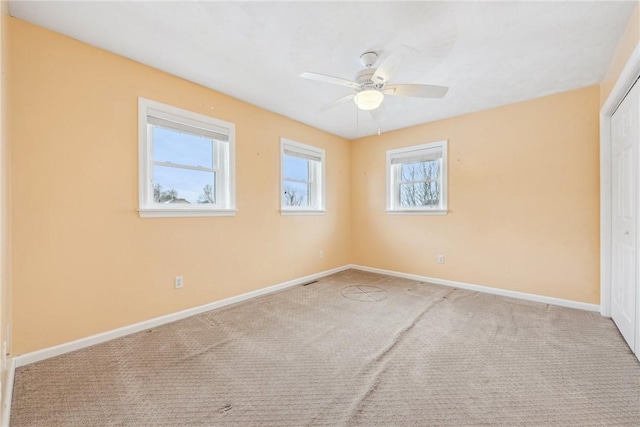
353	349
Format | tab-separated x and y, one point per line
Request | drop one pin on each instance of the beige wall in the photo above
625	47
523	199
5	236
84	262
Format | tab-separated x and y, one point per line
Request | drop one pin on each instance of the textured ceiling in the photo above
488	53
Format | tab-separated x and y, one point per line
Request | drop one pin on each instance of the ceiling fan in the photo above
372	84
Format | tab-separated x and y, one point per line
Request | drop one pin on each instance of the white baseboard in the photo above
8	393
36	356
485	289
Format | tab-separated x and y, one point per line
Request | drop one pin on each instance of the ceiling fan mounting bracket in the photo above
368	59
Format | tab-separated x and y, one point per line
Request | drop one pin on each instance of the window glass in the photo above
181	148
420	184
178	185
296	168
296	194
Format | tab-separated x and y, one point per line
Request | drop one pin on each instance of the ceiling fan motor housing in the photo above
365	79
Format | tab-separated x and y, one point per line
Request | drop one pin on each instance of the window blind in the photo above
302	153
417	156
219	134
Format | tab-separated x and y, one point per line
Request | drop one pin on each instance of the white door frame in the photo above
627	78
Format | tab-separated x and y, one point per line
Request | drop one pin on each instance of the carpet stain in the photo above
224	409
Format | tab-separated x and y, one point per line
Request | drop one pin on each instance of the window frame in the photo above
317	179
223	167
394	180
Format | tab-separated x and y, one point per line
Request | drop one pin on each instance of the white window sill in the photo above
181	213
417	212
302	211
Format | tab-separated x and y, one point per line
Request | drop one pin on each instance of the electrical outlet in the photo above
321	254
440	259
179	282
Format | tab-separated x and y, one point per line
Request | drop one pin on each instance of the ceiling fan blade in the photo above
416	91
329	79
392	63
336	102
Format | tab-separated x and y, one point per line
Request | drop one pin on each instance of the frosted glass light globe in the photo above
368	99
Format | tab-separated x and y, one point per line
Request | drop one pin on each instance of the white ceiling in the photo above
488	53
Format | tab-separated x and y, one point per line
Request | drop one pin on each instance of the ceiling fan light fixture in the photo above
368	99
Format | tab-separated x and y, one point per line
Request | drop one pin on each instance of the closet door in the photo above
624	274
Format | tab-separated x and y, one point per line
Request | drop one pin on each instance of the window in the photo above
417	179
302	188
187	163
